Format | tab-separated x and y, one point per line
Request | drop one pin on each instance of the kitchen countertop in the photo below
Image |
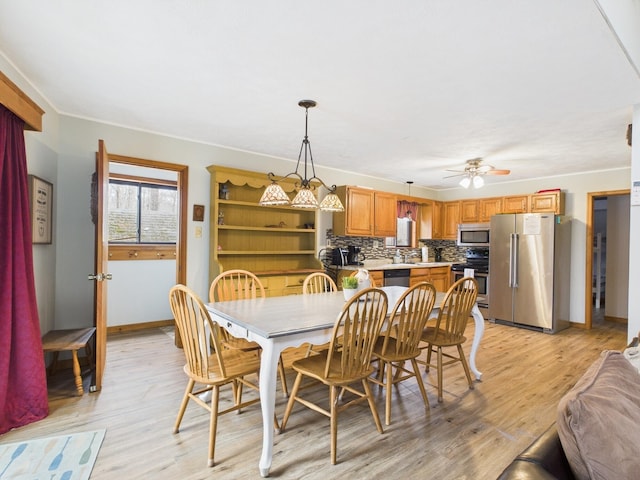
386	265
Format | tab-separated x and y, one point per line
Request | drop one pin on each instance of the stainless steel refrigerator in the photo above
529	270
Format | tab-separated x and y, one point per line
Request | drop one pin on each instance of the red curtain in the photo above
23	382
408	209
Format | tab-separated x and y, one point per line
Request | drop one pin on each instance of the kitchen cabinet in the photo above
469	211
450	219
385	213
488	208
439	276
547	202
367	213
429	222
515	204
277	243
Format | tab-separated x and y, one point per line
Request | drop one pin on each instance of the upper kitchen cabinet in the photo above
515	204
548	202
469	211
488	208
385	214
543	202
430	220
450	220
367	213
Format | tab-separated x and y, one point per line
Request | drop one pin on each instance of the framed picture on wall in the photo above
41	203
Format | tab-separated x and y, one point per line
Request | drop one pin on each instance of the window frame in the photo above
145	250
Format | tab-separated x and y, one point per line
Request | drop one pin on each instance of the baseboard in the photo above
607	318
140	326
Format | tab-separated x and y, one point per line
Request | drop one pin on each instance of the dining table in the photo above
276	323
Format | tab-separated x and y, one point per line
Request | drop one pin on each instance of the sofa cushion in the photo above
598	420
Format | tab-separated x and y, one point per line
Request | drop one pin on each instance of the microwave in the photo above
473	235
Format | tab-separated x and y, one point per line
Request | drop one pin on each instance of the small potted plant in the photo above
349	287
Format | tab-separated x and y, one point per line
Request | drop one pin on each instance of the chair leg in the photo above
292	399
183	405
388	386
213	423
429	350
440	374
372	405
283	377
333	398
416	372
465	365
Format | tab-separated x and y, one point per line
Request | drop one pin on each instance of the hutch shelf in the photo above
277	243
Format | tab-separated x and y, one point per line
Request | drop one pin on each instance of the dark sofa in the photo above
543	459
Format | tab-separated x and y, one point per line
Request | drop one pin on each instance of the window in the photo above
142	212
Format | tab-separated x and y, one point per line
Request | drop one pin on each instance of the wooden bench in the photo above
72	340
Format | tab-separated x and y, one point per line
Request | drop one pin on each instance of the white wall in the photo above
634	232
617	266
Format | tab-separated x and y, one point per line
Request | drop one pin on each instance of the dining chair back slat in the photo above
318	282
356	332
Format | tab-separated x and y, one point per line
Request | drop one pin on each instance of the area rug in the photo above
65	457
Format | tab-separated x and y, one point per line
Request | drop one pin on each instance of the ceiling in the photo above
405	90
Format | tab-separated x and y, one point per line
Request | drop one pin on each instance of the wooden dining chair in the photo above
400	342
449	328
318	282
209	371
346	362
240	284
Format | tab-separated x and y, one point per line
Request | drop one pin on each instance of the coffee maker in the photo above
355	256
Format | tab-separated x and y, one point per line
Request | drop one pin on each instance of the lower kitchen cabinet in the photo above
438	276
376	276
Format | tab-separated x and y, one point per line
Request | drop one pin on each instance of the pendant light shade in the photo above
274	195
305	198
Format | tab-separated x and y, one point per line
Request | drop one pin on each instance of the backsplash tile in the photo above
450	252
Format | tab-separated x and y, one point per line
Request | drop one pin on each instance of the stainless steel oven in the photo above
483	286
477	259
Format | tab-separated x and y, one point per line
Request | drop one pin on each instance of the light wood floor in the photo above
474	434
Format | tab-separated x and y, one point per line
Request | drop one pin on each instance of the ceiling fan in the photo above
473	172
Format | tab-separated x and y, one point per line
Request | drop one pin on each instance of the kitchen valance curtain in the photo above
23	383
408	209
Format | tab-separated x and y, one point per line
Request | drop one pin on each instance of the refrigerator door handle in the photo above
514	259
511	260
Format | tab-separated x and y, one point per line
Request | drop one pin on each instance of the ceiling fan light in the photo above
478	181
274	195
465	182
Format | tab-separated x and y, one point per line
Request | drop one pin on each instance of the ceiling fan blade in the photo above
459	174
496	171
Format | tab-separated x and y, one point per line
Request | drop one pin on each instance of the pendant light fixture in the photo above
408	215
305	198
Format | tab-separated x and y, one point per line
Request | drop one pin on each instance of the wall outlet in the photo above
198	232
376	244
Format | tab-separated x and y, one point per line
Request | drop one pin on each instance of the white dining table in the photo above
276	323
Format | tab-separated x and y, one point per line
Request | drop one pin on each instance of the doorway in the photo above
607	254
139	274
